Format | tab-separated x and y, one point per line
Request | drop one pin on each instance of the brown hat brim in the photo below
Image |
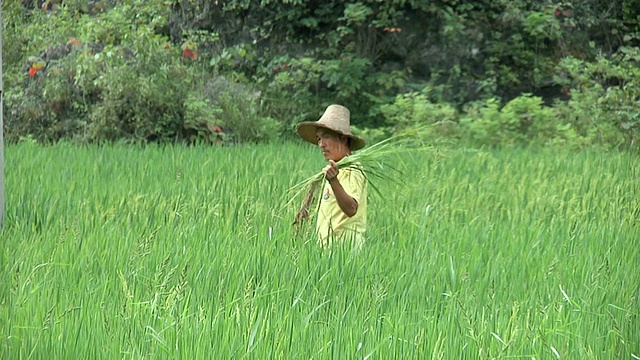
307	131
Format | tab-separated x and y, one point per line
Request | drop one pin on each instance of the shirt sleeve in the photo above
354	182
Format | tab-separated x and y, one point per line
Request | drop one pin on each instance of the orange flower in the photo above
32	72
75	42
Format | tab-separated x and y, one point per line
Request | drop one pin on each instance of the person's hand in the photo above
331	171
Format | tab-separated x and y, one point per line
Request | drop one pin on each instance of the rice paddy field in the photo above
125	252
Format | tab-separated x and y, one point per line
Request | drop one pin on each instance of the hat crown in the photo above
336	117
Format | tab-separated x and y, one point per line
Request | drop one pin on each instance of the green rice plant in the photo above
181	252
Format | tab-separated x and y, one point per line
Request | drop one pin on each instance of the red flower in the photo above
189	50
189	54
557	13
32	72
566	14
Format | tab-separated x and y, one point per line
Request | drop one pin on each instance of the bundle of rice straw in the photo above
374	161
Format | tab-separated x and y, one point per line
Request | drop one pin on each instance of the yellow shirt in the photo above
333	223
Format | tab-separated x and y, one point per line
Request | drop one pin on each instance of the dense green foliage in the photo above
180	70
185	253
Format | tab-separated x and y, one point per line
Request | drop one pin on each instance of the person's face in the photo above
334	146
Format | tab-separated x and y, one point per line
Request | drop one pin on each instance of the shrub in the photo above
522	121
243	117
605	97
417	112
296	88
137	87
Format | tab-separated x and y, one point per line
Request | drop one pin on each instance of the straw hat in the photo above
335	118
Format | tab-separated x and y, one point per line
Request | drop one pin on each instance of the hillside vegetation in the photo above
490	73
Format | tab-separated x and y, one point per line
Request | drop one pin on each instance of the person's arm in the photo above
346	202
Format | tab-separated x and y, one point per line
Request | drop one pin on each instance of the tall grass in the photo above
175	252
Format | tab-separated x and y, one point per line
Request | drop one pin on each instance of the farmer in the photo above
342	212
